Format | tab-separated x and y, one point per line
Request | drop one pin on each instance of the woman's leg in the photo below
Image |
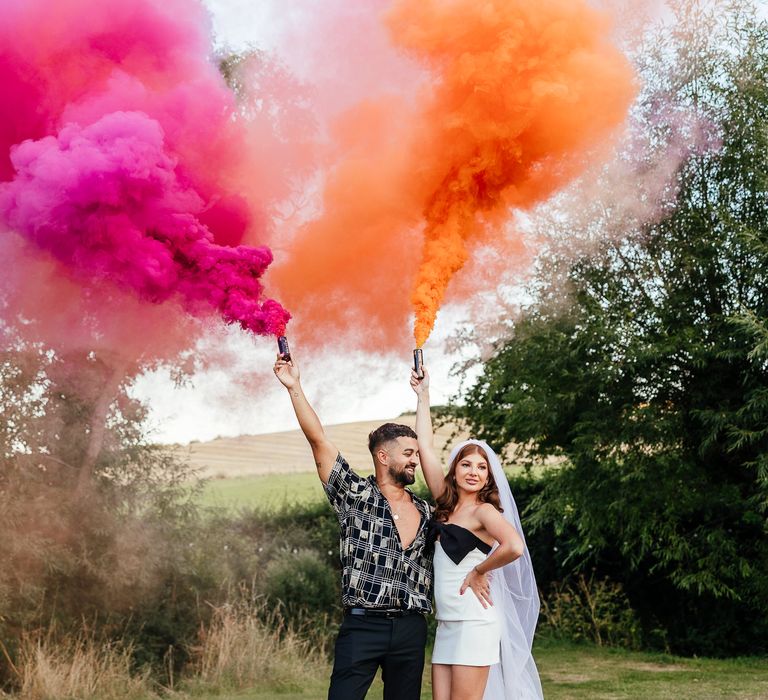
468	682
441	682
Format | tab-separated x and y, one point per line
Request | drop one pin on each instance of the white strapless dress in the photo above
467	633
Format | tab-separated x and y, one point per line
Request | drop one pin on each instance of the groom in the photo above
386	584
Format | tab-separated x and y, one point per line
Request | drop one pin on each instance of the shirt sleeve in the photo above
343	485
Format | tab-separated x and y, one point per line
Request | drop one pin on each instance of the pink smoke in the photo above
122	160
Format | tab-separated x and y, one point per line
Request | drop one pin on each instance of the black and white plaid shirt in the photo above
376	571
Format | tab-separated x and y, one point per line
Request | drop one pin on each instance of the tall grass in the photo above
81	668
245	646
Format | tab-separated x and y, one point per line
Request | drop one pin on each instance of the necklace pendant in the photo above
396	516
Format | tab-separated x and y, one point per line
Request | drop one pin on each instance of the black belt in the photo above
381	612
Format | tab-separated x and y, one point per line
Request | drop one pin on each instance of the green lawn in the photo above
577	672
266	491
261	491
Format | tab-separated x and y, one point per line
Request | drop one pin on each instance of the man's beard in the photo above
402	477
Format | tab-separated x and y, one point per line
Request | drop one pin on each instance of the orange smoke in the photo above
521	96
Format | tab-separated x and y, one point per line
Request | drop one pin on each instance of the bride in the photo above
486	600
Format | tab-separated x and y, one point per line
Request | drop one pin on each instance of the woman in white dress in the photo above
485	593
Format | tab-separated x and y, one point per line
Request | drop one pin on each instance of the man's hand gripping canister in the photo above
283	349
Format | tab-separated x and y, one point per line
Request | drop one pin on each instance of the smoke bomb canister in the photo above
418	361
283	349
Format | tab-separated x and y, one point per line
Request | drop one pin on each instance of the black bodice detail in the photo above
455	540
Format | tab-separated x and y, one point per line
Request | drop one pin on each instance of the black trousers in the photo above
365	643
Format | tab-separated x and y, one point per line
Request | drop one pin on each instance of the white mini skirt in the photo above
467	642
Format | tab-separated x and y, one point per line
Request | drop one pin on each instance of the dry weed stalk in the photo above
80	668
246	646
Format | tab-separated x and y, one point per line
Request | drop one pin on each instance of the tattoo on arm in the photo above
296	394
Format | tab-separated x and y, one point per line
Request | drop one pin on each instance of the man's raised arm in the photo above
323	450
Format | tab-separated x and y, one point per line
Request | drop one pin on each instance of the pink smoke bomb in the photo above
283	349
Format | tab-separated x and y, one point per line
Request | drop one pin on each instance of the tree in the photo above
646	376
91	518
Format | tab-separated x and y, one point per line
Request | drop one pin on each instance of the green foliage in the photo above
271	532
94	514
590	610
302	582
644	364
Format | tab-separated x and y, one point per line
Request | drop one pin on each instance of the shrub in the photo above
291	526
586	609
302	583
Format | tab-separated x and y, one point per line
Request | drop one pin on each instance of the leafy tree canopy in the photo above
644	362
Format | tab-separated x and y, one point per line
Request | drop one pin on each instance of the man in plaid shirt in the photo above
386	564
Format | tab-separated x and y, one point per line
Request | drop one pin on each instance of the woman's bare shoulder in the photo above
483	511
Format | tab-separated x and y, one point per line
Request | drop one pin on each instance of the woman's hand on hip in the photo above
480	585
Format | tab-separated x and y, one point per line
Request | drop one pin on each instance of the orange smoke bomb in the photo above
524	90
520	98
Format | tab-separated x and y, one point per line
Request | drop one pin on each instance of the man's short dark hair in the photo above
386	433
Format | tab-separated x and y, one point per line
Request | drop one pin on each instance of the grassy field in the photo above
577	672
261	491
266	491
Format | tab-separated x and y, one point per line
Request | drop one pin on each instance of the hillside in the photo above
287	452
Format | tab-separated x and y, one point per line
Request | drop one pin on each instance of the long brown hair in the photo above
448	499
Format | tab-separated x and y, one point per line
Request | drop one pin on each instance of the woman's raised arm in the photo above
430	463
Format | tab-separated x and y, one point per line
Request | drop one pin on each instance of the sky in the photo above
242	397
238	394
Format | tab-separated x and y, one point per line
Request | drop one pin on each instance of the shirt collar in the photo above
418	501
372	479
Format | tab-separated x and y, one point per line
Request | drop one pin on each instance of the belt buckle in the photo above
374	612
